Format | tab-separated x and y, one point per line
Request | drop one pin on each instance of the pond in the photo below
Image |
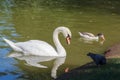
23	20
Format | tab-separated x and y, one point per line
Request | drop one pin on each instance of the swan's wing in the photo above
37	47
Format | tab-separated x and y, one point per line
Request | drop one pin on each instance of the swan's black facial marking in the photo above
68	38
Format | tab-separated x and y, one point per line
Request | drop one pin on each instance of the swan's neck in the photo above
59	48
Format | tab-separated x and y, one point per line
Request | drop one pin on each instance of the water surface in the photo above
26	20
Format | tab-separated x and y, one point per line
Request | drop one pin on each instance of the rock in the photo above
113	52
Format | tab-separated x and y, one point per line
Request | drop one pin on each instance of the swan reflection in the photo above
35	61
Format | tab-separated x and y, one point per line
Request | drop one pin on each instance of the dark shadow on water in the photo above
90	71
3	73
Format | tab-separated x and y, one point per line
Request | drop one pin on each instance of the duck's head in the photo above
101	36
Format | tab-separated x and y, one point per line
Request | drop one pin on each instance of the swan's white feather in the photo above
12	45
37	47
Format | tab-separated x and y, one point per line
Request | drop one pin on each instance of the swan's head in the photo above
67	34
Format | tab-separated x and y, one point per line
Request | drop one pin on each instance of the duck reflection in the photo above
32	60
91	41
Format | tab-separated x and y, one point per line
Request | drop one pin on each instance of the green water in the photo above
28	20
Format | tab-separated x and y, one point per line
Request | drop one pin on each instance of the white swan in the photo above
91	37
42	48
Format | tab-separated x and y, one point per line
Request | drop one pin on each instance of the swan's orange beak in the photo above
68	39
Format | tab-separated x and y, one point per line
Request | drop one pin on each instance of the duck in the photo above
42	48
91	37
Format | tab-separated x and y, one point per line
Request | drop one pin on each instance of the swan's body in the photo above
42	48
91	37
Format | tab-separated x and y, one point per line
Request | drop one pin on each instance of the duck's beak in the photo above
68	39
102	37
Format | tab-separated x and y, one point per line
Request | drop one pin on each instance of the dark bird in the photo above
97	58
